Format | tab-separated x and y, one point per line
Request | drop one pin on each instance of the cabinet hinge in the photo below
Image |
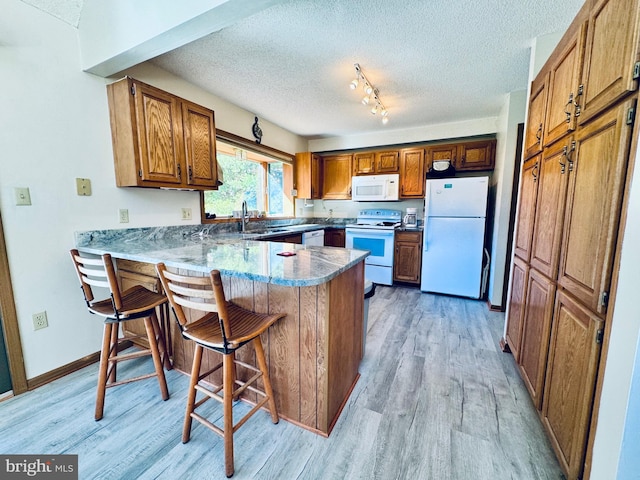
604	299
631	115
636	71
599	336
133	89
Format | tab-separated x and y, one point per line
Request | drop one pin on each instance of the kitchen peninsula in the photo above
314	352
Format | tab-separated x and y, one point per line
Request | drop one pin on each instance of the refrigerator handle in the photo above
425	247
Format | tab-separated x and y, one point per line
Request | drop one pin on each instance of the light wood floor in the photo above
437	399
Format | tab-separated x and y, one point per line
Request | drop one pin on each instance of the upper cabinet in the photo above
412	179
381	162
159	139
476	155
309	175
336	183
535	123
565	89
611	68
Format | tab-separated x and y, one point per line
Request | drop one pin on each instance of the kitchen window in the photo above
259	175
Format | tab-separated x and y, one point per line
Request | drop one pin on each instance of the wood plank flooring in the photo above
436	399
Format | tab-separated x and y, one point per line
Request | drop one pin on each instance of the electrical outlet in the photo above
186	214
124	215
40	320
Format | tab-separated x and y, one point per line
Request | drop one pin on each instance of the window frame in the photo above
241	142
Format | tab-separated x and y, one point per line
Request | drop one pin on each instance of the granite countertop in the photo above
234	254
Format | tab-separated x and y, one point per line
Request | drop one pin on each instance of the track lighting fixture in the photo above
371	96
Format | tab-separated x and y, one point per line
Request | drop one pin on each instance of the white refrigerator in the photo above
454	223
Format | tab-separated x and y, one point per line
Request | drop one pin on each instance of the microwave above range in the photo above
375	188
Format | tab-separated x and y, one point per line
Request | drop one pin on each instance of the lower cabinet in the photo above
536	326
407	259
517	302
574	353
286	238
135	273
334	237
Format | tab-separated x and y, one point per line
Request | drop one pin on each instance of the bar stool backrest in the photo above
97	272
205	294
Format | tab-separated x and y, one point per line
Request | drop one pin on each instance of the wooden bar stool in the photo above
135	302
224	328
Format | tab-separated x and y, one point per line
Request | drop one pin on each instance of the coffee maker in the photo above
410	220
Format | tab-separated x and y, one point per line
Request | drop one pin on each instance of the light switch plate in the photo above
83	187
23	197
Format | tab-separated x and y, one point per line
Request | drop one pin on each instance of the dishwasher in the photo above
315	237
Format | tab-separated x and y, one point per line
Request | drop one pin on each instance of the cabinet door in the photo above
337	177
334	237
536	327
527	208
407	257
309	175
574	353
594	198
388	162
441	152
364	163
517	301
564	81
547	227
535	122
200	145
412	178
476	156
611	55
159	128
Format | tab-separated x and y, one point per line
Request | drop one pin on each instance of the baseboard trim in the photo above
60	372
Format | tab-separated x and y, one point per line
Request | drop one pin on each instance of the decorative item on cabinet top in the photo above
159	139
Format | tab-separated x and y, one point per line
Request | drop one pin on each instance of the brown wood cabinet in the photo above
159	139
407	260
380	162
564	88
611	67
574	352
309	175
131	274
517	301
334	237
286	238
549	212
596	172
576	197
536	327
412	173
336	184
527	208
534	136
440	153
475	156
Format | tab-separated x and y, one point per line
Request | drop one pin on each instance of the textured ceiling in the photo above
433	62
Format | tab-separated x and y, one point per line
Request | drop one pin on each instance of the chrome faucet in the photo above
245	215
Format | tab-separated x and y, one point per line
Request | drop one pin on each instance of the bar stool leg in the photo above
191	400
161	340
262	364
114	347
155	354
102	369
228	382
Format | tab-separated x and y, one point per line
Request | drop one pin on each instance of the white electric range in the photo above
374	231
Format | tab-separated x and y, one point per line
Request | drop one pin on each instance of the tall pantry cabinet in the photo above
579	131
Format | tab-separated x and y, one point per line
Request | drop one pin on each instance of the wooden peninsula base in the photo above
313	353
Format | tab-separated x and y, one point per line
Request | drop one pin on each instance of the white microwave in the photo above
375	188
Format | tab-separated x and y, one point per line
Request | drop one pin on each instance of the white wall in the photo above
54	127
511	115
622	355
